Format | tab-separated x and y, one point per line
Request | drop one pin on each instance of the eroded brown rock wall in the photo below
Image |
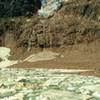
75	22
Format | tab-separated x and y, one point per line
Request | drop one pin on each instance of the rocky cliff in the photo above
76	21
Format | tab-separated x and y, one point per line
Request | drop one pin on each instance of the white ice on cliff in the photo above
49	7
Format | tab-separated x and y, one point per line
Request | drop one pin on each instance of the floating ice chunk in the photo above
41	97
71	88
20	78
54	81
61	95
96	94
87	89
18	96
7	92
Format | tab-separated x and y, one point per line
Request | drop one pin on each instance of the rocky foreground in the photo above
44	84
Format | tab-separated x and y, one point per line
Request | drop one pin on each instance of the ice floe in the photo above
44	84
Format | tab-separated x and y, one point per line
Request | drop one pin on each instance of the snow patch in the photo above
4	55
7	63
41	56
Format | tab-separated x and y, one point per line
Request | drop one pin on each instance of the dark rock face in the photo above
90	9
11	8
